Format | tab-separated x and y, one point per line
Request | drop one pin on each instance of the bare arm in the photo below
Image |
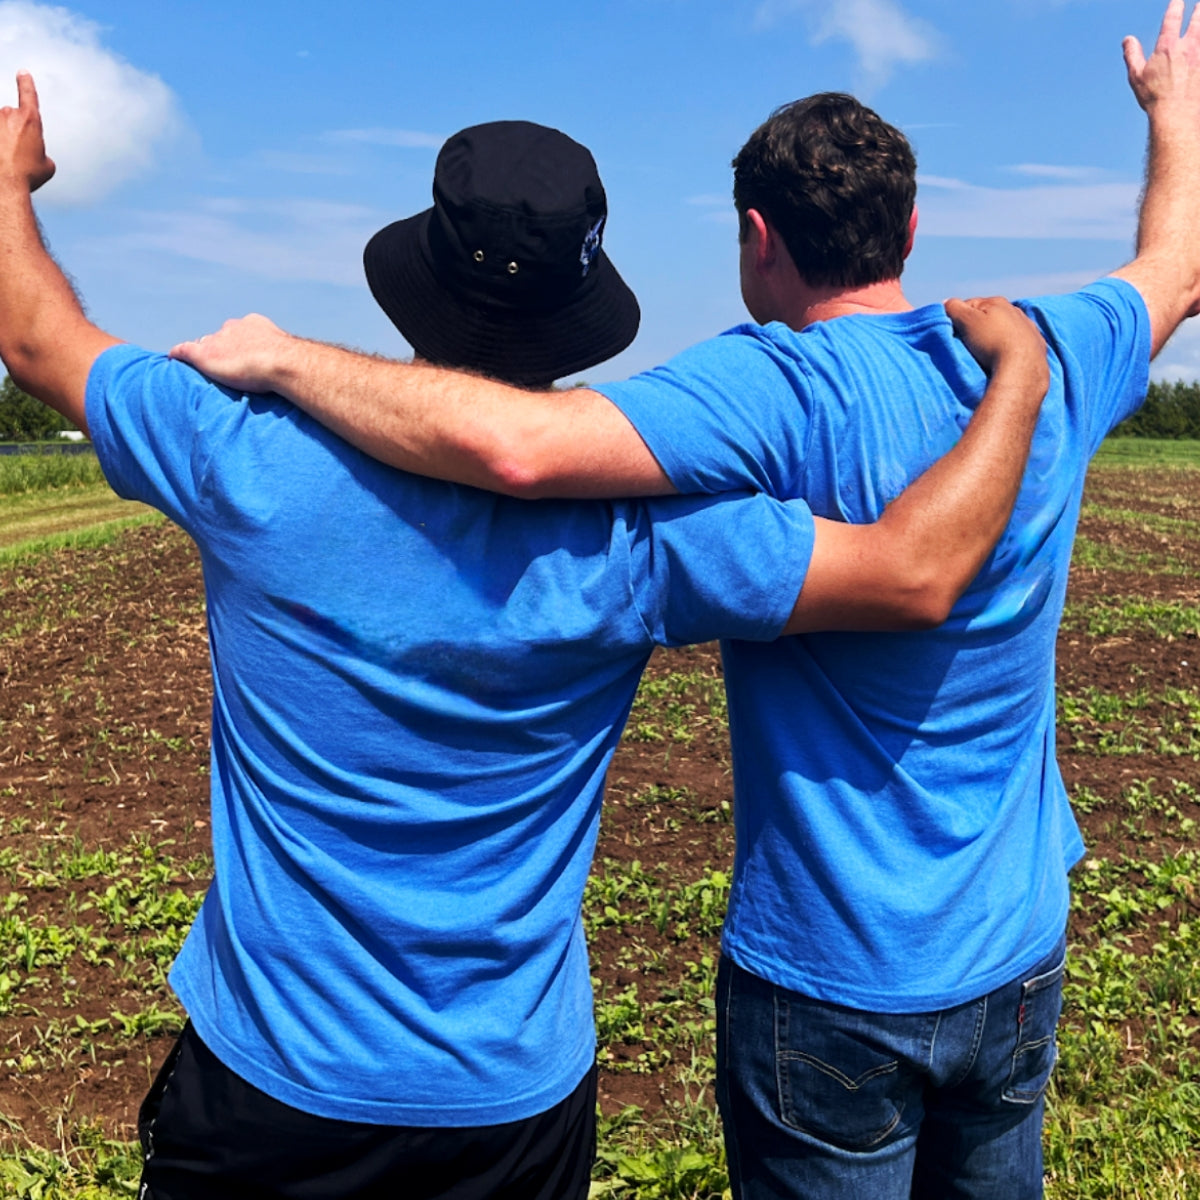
438	422
907	570
1167	85
46	341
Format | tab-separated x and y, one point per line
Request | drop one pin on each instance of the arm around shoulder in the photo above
438	422
908	569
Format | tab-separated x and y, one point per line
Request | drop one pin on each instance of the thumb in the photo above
185	351
1135	58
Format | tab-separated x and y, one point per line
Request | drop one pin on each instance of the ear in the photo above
761	237
912	232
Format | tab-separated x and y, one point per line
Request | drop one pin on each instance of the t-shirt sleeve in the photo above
148	415
725	568
728	414
1101	337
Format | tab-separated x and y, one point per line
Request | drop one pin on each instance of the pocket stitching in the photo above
851	1085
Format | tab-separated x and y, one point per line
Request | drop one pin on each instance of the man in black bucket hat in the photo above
417	689
507	269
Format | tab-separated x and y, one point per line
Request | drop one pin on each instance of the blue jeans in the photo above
821	1101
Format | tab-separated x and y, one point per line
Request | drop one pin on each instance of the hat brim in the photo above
599	320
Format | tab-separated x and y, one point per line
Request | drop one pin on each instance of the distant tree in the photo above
1171	410
24	419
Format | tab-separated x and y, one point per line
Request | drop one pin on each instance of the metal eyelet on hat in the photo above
478	256
513	268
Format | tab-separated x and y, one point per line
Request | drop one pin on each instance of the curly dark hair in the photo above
838	184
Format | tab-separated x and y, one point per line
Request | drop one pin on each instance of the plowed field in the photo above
104	699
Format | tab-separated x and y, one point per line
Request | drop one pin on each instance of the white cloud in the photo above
104	118
407	138
953	208
1180	358
882	34
301	164
944	183
1053	171
294	239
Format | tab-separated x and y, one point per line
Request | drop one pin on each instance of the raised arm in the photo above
1167	85
907	570
438	422
46	341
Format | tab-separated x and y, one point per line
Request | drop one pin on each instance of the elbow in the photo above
21	362
514	474
925	602
515	463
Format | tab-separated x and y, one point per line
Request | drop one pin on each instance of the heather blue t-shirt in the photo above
903	833
417	690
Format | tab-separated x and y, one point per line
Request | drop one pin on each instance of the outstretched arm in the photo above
908	569
433	421
46	341
1167	85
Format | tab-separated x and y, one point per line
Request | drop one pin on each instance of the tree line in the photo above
1172	410
24	419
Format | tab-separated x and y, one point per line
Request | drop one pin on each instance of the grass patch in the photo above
44	519
1149	452
51	469
95	1168
50	500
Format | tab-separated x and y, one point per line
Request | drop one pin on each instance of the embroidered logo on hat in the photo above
591	246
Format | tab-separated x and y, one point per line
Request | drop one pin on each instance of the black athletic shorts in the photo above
207	1133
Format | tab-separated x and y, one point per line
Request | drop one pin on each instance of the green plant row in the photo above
22	473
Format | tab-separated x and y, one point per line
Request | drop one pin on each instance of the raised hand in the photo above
22	147
1000	335
243	354
1170	77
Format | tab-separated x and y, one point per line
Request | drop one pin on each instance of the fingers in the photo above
1193	26
963	312
977	304
1172	23
27	97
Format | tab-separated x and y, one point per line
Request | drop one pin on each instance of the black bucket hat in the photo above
505	274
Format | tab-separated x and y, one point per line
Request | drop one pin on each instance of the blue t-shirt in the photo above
903	833
417	690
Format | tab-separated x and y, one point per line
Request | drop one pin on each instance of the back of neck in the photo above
825	303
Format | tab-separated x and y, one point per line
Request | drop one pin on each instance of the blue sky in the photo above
218	157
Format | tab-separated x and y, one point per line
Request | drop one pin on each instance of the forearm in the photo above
462	427
908	569
1167	87
46	341
438	422
1167	268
